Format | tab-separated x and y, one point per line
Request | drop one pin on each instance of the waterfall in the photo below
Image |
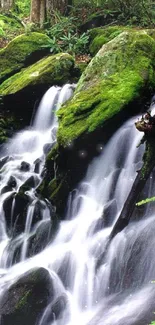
21	173
121	290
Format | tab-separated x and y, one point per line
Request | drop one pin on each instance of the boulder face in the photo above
52	70
100	36
20	51
116	76
111	89
25	301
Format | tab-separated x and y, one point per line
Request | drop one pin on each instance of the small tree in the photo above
38	12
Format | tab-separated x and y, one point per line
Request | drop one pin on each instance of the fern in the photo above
148	200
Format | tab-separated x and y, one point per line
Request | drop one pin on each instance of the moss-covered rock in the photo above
25	301
15	55
102	35
52	70
116	76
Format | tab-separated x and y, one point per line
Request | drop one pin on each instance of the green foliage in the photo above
65	37
22	8
132	12
9	26
74	43
2	33
148	200
62	25
71	43
152	323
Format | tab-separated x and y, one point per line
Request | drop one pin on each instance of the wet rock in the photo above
3	161
59	306
67	270
12	182
16	217
53	133
52	209
31	182
6	189
40	240
25	301
55	310
10	185
43	173
39	207
37	163
25	167
110	210
47	147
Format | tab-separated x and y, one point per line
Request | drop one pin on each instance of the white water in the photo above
28	146
120	292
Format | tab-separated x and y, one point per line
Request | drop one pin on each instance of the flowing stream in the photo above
120	291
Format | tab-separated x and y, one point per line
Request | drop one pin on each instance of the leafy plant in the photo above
62	25
75	43
54	46
22	7
64	36
72	43
148	200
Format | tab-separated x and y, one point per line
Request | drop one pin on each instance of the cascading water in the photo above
118	292
20	175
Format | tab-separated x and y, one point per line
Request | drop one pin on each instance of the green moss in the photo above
53	188
114	78
81	66
52	155
23	301
54	69
10	25
14	55
149	157
100	36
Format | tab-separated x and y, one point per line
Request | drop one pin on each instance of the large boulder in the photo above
24	302
52	70
102	35
111	89
120	73
20	51
26	88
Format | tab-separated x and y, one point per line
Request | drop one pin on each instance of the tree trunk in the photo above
42	12
6	4
35	11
